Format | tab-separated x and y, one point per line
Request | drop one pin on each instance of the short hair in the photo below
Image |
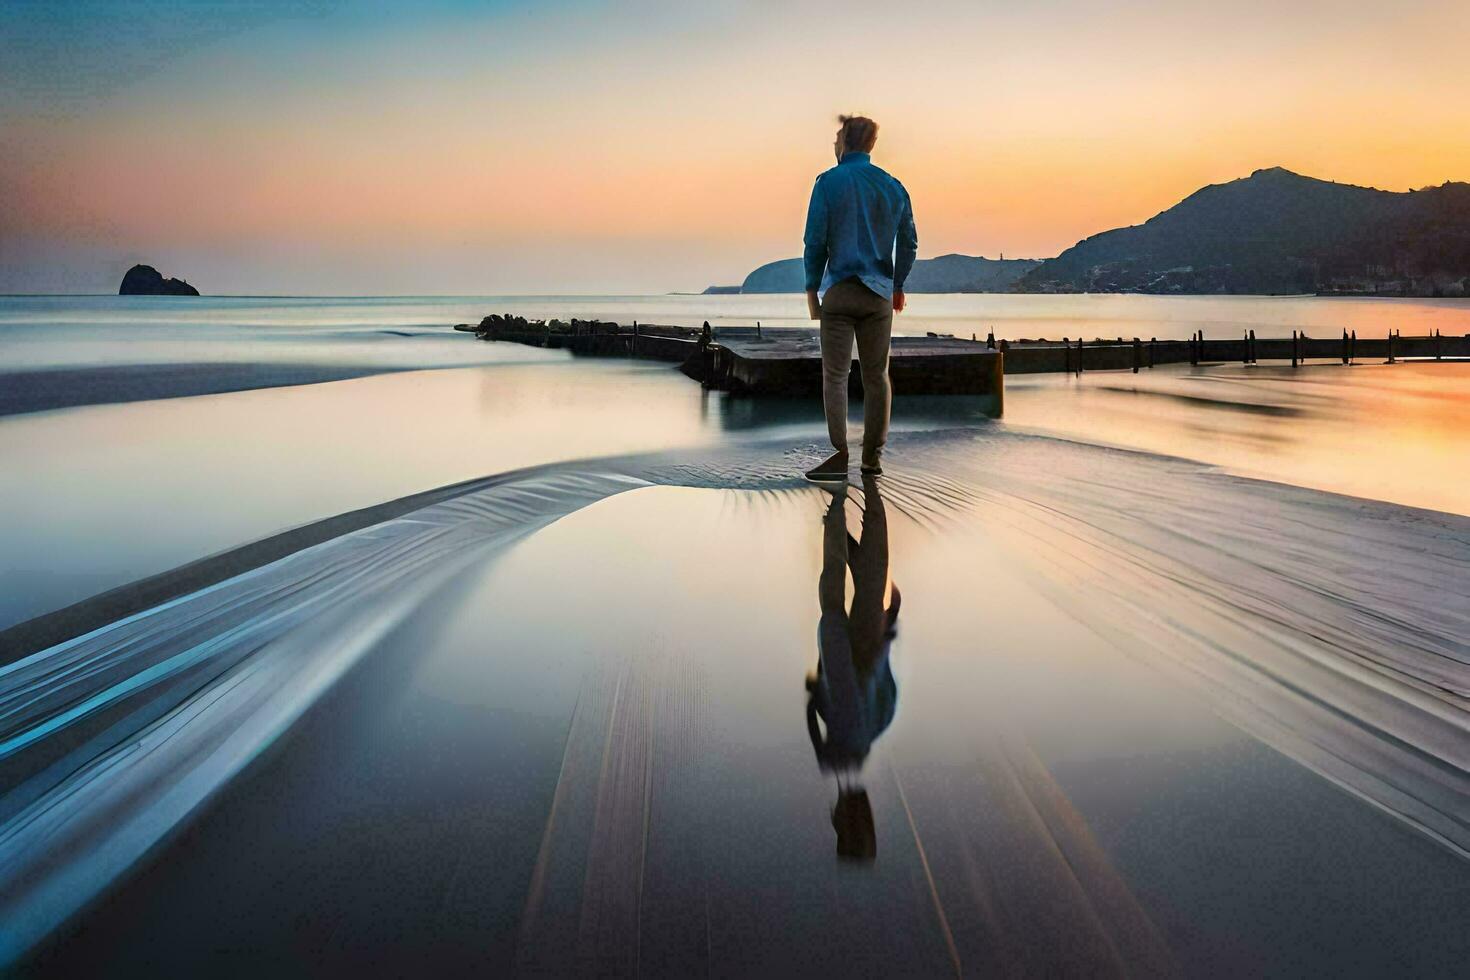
858	134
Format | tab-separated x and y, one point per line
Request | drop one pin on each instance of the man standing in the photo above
860	246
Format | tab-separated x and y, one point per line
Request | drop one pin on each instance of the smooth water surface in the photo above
591	753
1398	432
68	330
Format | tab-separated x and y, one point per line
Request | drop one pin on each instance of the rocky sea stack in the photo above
144	280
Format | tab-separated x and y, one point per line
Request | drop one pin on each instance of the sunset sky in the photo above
380	147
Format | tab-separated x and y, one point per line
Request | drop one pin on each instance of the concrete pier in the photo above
787	361
749	360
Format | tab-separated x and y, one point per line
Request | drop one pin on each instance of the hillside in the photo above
1279	232
942	274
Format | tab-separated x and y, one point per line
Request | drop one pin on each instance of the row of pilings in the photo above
1023	356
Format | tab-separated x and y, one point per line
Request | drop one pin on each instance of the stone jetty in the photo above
787	361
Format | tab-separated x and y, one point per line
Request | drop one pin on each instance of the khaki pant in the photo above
851	310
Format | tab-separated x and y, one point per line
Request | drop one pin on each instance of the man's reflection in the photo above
852	694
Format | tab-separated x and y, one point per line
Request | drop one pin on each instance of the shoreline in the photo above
47	389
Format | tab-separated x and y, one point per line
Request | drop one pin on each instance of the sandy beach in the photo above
516	666
1110	768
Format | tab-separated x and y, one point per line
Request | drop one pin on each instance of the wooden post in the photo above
1390	347
990	339
1066	355
1194	348
1353	348
1137	354
1293	348
1153	342
1079	357
1344	351
1437	345
757	328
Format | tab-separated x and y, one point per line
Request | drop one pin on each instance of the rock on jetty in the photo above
658	342
144	280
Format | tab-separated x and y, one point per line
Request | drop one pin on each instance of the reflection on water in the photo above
909	411
1387	432
851	697
107	494
585	752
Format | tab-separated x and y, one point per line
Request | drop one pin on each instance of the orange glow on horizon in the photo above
1020	143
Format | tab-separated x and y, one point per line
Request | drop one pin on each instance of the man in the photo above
860	246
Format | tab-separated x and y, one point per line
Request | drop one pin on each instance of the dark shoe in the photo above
872	469
832	470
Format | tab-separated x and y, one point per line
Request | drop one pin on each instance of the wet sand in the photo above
559	724
45	390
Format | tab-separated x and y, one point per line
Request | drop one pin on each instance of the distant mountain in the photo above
967	274
720	290
1279	232
943	274
144	280
781	276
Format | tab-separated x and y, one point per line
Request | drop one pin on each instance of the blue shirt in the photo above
860	224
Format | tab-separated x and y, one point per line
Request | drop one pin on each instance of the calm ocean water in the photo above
56	330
